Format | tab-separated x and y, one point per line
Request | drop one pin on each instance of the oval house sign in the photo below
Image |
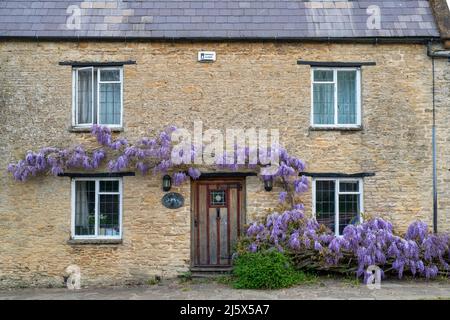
173	200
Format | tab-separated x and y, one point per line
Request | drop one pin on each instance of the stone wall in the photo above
442	100
250	85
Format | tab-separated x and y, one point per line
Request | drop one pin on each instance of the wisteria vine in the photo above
151	155
314	247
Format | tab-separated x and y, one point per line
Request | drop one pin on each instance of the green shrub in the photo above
185	276
153	281
265	270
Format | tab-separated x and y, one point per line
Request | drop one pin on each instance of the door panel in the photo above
202	225
234	218
224	254
217	220
212	237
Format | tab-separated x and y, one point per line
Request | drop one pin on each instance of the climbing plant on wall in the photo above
151	155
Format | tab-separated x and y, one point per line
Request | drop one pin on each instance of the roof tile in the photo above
217	19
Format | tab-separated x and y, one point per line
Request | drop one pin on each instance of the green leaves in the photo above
266	270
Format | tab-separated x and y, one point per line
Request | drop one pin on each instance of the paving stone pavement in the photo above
204	290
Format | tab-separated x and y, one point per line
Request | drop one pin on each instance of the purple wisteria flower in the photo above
194	173
301	185
370	243
282	196
253	247
418	230
179	178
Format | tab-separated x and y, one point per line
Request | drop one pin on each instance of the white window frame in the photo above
75	97
97	93
97	196
337	193
335	83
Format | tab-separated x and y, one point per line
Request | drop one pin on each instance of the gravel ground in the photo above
209	289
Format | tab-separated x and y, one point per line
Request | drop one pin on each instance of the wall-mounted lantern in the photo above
268	184
167	183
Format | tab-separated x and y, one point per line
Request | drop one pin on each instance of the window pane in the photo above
325	203
84	96
217	198
348	210
110	101
95	95
109	224
323	103
109	186
346	97
323	75
109	75
349	186
84	208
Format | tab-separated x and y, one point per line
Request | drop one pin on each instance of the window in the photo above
97	208
337	203
335	97
97	96
217	198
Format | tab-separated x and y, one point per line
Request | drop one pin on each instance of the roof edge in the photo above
374	40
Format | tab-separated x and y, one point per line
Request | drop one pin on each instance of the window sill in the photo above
358	128
88	129
94	241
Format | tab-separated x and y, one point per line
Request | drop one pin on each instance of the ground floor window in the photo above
337	202
96	208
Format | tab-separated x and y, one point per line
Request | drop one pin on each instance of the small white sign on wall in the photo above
206	56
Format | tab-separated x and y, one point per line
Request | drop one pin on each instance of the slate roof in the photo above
215	19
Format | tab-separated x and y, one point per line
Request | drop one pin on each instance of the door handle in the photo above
218	213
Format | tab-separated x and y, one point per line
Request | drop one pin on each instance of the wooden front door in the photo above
217	221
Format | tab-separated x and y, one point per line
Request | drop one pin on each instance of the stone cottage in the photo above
355	89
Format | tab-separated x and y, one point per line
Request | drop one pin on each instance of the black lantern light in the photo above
167	183
268	184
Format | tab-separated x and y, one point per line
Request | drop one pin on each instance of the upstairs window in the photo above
336	97
97	96
337	203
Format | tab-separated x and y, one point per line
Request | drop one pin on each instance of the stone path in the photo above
197	289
